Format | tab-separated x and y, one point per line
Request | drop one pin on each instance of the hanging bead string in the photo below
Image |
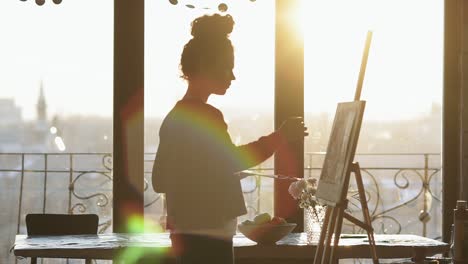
42	2
222	7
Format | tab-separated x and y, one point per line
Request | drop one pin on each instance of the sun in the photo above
293	14
297	16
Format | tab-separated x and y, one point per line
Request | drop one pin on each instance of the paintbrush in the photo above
247	173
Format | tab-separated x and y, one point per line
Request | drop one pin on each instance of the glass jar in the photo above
313	221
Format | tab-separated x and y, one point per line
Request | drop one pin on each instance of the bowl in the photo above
266	233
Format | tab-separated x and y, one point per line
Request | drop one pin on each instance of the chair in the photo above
61	224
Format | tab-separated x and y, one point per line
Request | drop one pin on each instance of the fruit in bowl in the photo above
265	229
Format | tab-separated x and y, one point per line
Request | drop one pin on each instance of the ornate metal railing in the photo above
404	192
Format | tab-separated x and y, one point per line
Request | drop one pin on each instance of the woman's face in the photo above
221	75
215	73
222	80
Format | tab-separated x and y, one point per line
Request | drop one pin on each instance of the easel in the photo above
335	212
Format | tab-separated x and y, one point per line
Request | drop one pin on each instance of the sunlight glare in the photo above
53	130
298	16
60	144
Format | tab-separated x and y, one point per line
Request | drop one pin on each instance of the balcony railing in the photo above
403	190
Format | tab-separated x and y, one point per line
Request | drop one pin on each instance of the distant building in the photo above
41	105
19	136
11	127
37	137
10	112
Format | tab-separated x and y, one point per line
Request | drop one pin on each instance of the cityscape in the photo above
79	133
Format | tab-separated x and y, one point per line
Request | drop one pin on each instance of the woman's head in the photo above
209	55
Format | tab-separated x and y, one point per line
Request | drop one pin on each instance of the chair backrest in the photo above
61	224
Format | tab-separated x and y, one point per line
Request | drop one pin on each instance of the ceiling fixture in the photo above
222	7
42	2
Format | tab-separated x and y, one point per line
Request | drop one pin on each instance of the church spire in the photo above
41	104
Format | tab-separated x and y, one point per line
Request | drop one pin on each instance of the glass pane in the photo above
400	141
56	92
247	105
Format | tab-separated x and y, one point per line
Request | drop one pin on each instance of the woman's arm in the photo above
260	150
254	153
223	154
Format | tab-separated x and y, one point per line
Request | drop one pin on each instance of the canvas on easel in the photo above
334	180
340	152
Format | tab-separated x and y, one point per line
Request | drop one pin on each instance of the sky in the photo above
69	47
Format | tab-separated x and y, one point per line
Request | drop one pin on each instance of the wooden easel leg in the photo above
370	236
337	232
330	231
365	211
327	253
323	234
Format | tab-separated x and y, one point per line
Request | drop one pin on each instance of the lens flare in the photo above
137	224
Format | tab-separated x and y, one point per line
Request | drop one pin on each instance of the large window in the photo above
400	142
399	146
56	108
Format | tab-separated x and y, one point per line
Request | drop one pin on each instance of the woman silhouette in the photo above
196	161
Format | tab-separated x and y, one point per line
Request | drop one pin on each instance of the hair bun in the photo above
212	26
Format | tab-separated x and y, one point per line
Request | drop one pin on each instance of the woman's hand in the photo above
293	129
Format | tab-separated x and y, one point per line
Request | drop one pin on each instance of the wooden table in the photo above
291	249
